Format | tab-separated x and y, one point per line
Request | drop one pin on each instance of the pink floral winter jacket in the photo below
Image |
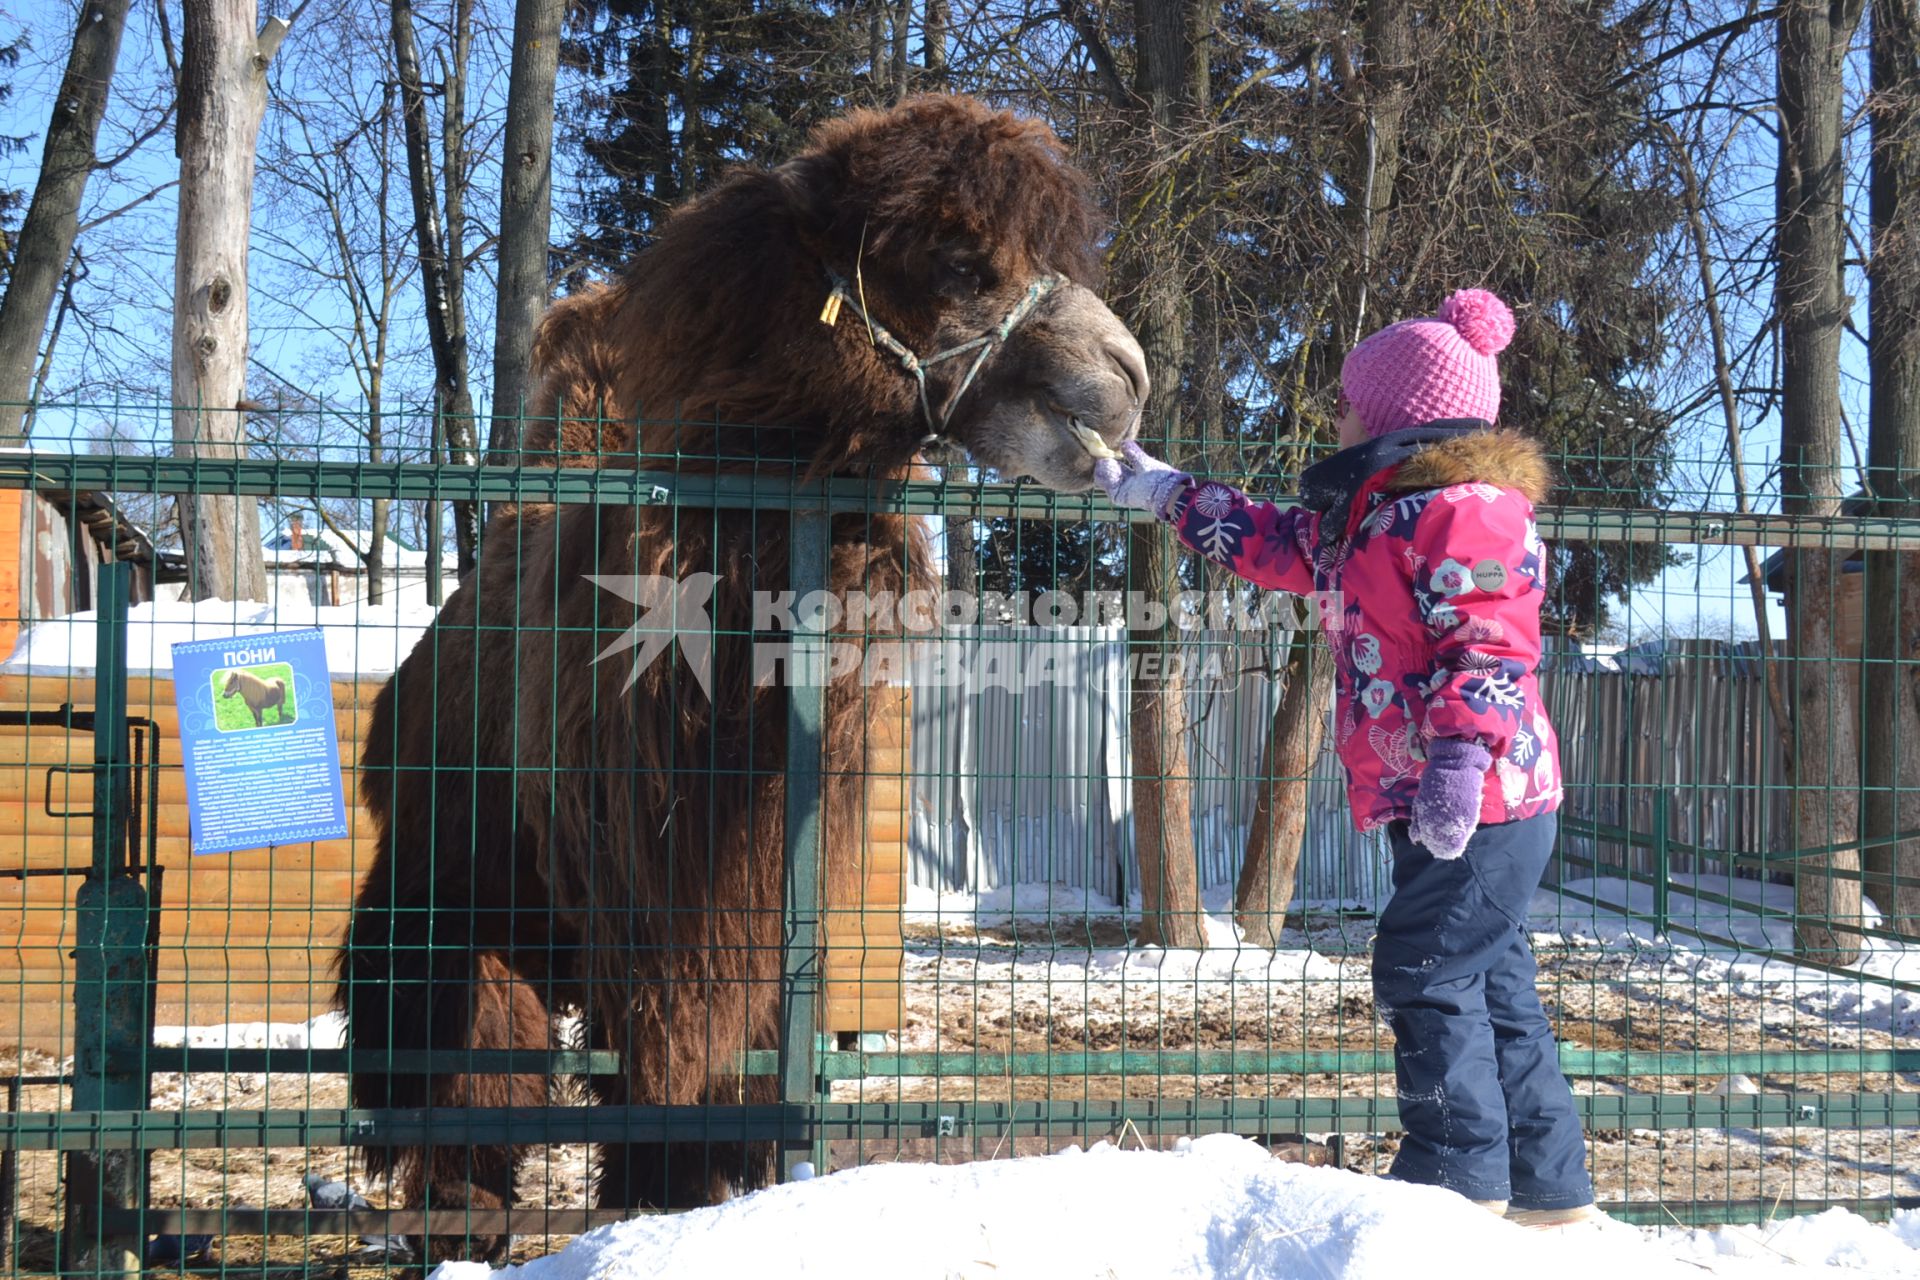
1431	598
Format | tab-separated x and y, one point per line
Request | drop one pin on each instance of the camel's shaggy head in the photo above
938	222
950	213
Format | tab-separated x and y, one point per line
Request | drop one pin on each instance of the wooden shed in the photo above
51	547
250	936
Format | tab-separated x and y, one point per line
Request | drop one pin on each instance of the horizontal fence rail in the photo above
398	481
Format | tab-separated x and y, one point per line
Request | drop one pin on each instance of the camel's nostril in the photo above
1132	364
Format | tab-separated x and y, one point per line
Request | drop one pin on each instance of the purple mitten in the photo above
1140	480
1447	807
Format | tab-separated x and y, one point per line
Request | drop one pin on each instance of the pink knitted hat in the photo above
1420	371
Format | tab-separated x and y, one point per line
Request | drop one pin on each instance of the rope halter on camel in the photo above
844	294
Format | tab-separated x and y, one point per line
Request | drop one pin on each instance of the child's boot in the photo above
1553	1219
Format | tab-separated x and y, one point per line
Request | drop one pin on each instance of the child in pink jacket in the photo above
1419	539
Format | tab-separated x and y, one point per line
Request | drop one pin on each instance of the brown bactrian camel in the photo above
555	842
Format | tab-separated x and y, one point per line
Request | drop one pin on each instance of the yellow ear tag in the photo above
830	314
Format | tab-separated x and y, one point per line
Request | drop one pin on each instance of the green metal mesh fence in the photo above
735	817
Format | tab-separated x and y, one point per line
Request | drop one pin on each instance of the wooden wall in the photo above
250	936
862	932
245	936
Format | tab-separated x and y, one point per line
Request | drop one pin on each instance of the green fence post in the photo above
800	960
110	989
1662	860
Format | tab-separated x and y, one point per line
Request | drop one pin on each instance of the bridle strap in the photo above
916	367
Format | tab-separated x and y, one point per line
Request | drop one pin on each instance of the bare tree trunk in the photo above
1372	163
464	433
374	554
44	247
1170	912
1373	151
693	124
376	550
223	96
901	17
933	39
526	214
76	272
441	268
1265	889
1170	81
1825	771
879	62
963	557
1890	697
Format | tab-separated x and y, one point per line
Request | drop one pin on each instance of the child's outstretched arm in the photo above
1268	545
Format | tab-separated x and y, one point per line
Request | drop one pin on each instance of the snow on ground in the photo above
361	638
1221	1207
328	1031
1035	967
1058	943
1764	923
239	1088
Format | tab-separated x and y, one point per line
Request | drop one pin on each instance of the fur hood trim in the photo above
1499	457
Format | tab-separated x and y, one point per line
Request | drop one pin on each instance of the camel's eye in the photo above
964	275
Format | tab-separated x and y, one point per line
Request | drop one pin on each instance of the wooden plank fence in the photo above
250	936
1031	786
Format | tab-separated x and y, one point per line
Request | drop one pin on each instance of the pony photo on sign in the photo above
243	696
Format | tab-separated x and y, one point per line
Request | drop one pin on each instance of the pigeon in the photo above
329	1193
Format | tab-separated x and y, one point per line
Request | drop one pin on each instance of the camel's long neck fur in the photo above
721	322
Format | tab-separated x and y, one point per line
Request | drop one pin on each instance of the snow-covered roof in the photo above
362	639
345	549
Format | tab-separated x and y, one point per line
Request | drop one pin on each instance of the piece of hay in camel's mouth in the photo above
1090	441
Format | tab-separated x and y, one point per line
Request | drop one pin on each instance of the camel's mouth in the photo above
1069	395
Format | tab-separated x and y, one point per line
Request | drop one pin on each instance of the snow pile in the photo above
1835	1240
1041	974
1036	900
1069	979
1223	1207
362	639
328	1031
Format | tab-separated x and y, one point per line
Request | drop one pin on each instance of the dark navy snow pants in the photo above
1485	1108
